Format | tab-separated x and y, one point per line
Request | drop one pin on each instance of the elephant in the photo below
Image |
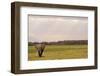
40	48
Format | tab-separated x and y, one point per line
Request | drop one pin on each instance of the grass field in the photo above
52	52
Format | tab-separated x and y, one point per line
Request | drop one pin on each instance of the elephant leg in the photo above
39	53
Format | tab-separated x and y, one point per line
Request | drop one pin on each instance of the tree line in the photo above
64	42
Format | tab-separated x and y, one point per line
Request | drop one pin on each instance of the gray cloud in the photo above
54	28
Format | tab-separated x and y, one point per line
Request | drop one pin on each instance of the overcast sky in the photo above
55	28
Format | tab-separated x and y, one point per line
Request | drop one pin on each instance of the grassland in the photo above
52	52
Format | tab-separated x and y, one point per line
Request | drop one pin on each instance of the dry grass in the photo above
52	52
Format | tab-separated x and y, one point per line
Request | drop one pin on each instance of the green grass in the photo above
52	52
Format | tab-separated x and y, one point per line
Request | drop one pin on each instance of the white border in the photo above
25	64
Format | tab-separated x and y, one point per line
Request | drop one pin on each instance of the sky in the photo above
56	28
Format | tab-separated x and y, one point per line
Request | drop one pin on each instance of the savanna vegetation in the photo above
60	51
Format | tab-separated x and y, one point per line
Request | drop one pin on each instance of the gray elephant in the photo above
40	48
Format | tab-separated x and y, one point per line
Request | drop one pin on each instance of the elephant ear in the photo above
38	46
42	46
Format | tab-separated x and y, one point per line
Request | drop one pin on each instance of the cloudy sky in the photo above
55	28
